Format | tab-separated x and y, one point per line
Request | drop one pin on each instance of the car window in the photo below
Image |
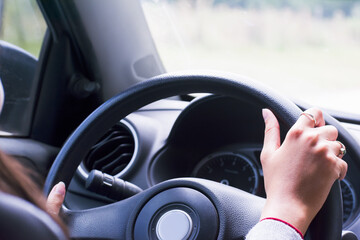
308	50
21	35
22	24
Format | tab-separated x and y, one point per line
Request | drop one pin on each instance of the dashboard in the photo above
212	137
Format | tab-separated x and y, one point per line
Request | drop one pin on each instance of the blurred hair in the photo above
18	180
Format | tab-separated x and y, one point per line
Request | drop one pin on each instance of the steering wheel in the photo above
206	210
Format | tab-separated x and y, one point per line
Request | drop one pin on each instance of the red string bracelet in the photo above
290	225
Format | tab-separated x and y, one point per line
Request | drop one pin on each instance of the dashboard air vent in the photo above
113	152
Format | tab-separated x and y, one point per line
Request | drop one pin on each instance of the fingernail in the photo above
60	188
265	114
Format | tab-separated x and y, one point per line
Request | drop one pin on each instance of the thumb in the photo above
272	134
55	199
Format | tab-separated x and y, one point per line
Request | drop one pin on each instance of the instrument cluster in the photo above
241	171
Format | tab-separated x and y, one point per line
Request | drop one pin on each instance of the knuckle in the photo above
331	160
295	132
271	129
343	165
323	149
330	163
316	111
312	138
333	129
263	157
58	201
54	202
318	114
342	169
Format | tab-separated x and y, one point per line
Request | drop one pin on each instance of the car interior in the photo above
133	142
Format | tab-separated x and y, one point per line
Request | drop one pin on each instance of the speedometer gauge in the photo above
229	168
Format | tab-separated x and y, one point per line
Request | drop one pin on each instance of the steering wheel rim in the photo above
167	85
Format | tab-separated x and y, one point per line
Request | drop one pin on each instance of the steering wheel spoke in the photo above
107	222
205	202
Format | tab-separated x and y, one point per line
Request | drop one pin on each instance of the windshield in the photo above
308	50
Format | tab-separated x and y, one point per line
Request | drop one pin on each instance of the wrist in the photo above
286	223
297	216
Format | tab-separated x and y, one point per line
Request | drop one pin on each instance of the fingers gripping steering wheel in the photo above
229	213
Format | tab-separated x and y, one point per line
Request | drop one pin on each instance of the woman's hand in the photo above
299	173
56	198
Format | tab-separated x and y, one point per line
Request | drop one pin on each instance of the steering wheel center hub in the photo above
175	225
177	213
